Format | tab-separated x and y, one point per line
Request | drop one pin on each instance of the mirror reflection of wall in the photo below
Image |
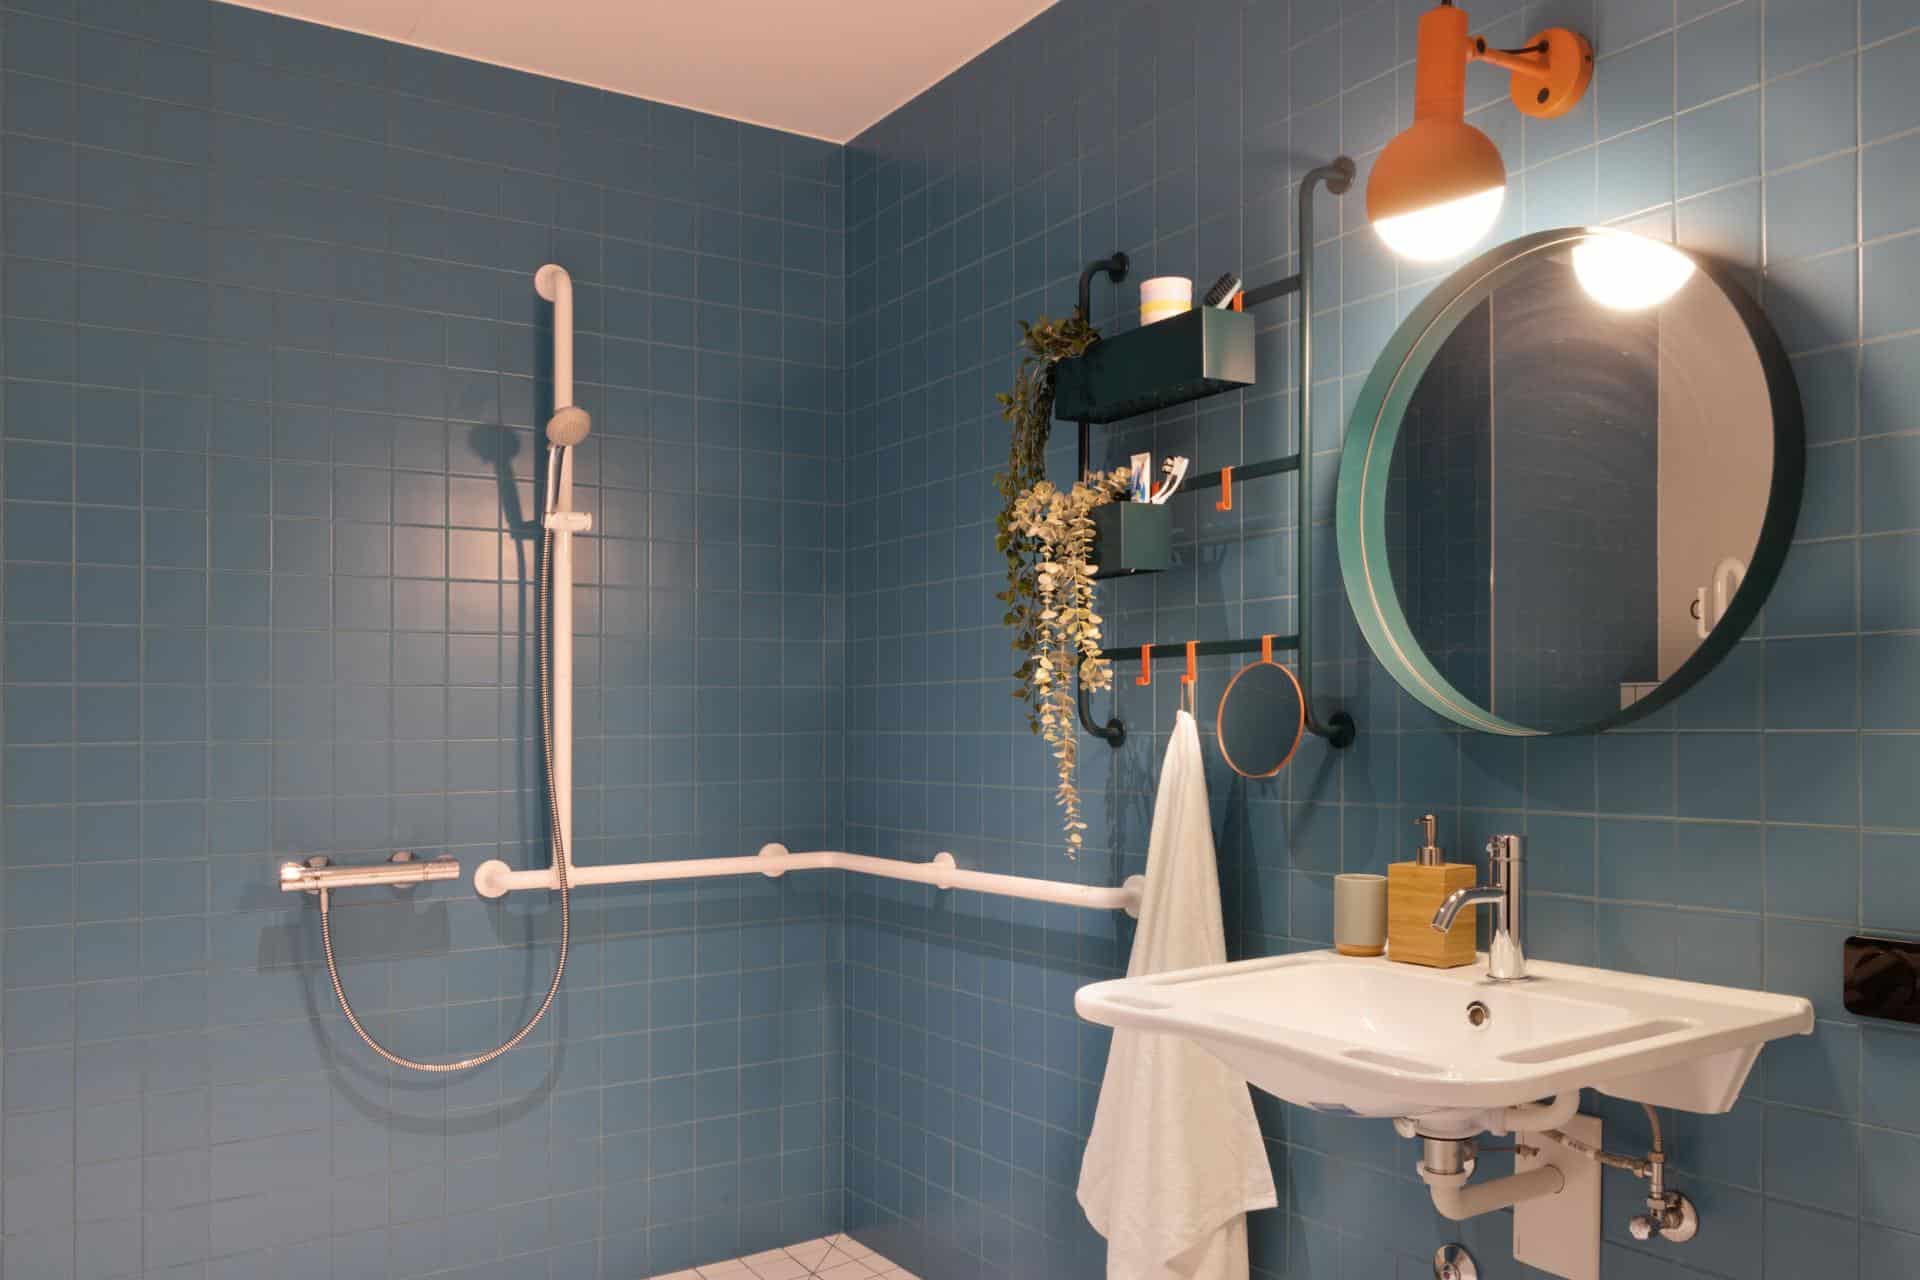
1716	463
1567	479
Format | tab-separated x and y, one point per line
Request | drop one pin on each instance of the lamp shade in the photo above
1437	188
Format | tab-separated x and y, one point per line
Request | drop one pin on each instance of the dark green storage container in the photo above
1131	537
1200	353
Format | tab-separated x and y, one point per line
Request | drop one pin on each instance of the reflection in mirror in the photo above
1579	481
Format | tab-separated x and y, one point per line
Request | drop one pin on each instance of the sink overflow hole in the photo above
1478	1014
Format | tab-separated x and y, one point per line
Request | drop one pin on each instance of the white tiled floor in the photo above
832	1258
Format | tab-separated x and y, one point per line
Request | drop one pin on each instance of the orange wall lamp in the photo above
1438	186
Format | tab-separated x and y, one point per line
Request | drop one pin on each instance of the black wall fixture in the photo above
1204	353
1882	978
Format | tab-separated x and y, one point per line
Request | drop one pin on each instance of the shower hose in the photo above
543	625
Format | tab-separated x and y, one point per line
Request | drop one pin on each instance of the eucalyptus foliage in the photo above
1046	536
1056	528
1029	408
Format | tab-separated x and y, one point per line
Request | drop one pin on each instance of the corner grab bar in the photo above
494	878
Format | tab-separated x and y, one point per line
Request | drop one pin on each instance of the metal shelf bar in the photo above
1251	471
1204	649
1268	292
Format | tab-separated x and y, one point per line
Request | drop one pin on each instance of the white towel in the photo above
1175	1159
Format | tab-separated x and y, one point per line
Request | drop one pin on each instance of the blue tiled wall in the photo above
273	361
1736	839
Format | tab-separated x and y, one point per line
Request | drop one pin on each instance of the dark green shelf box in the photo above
1197	354
1131	537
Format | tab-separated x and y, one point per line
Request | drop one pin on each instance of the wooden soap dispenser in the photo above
1415	891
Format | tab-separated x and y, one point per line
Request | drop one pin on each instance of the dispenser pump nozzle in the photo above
1430	853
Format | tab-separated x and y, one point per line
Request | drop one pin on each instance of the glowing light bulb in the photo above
1443	230
1627	272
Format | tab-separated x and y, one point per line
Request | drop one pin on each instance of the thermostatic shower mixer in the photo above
317	874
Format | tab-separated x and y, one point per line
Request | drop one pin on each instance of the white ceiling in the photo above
826	68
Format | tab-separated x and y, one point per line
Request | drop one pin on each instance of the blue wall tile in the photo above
1719	54
1886	90
1811	210
1719	144
1809	113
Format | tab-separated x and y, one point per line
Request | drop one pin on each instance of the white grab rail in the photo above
495	878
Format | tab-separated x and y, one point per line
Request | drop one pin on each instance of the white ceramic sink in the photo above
1369	1037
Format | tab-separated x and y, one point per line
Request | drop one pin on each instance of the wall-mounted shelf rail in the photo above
1203	648
1169	365
495	878
1251	471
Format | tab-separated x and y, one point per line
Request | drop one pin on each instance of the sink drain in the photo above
1453	1262
1478	1014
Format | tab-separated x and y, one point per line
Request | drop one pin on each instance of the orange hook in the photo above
1146	666
1266	648
1193	673
1226	490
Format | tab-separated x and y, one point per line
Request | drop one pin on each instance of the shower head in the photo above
568	427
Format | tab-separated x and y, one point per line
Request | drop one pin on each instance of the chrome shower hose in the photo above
543	624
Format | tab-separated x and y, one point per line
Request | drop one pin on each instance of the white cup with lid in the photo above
1163	297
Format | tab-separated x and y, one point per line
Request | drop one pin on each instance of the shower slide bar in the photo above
494	878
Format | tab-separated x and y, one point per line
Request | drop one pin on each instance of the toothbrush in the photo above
1141	479
1175	471
1222	292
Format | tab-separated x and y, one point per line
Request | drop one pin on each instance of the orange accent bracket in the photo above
1226	490
1266	648
1146	666
1193	672
1531	64
1549	75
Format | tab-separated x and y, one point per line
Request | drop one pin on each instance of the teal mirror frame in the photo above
1360	513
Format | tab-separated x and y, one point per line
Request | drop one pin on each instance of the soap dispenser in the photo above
1415	891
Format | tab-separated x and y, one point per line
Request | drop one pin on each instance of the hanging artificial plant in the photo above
1055	528
1046	534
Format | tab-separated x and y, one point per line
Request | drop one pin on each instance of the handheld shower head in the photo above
568	426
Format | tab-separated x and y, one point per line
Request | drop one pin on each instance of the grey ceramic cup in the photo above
1360	915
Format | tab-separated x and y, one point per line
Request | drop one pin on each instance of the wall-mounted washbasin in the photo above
1369	1037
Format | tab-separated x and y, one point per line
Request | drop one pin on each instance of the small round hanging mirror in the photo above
1262	714
1569	483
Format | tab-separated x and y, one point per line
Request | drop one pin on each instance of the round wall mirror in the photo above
1569	483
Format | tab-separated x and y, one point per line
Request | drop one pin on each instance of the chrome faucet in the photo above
1506	961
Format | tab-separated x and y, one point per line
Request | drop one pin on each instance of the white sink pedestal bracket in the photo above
1554	1191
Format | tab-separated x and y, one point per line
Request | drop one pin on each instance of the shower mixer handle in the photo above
401	871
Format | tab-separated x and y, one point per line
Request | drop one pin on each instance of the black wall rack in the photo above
1190	363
